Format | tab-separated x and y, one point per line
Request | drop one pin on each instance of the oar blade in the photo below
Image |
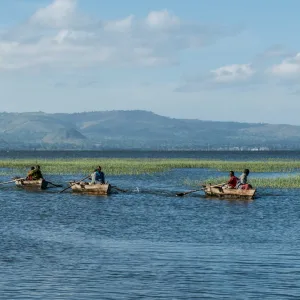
55	185
180	194
189	192
185	193
1	183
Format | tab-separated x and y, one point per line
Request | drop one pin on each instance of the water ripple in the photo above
148	244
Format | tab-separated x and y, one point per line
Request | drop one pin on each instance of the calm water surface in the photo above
147	243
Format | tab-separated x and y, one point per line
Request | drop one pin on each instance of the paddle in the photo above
11	181
7	182
215	185
118	189
185	193
56	185
74	183
193	191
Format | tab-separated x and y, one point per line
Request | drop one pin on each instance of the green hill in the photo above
137	130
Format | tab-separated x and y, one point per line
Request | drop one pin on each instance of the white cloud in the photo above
229	76
162	20
123	25
233	73
58	14
289	67
60	36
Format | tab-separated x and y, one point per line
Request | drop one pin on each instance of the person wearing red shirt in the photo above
232	182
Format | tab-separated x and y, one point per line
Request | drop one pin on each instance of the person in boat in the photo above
243	179
232	182
37	173
242	183
98	176
30	173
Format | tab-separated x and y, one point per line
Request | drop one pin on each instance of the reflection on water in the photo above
148	243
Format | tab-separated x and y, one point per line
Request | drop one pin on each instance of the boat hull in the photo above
32	184
221	192
96	189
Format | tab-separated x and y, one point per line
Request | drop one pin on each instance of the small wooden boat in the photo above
32	184
221	192
85	187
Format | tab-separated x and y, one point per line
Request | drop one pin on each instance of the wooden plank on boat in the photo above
97	189
221	192
33	184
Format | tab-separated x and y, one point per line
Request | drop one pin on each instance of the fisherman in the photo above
37	173
30	173
232	182
97	176
243	179
242	183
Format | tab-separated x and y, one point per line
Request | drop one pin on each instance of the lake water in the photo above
148	243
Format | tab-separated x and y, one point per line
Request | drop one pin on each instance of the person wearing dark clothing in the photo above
30	174
98	176
101	176
37	173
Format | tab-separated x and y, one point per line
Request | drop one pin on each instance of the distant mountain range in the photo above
138	130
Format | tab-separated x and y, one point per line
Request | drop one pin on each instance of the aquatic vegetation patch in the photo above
134	166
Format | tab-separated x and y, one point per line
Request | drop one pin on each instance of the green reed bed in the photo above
141	166
279	182
86	166
150	166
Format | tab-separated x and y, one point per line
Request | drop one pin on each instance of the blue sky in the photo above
209	59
